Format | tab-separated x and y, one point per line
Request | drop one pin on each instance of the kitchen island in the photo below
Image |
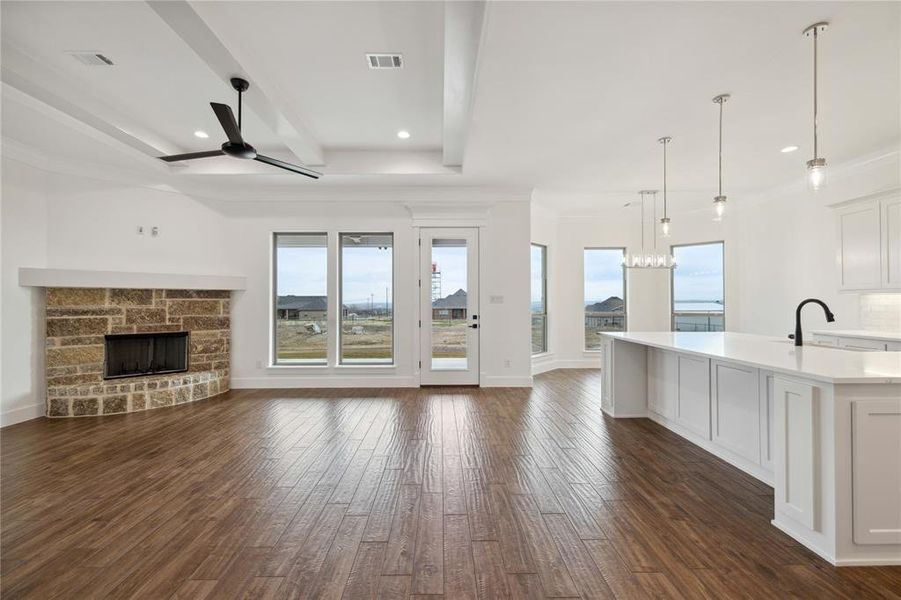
821	425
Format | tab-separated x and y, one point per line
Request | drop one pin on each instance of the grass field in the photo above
295	341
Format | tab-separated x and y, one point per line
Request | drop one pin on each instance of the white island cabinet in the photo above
821	425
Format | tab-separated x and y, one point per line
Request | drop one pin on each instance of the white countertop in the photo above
833	365
882	336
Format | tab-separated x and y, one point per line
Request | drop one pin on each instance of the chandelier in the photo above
648	258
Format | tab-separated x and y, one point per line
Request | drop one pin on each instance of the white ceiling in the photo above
560	96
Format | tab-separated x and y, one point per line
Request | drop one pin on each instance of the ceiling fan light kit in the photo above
236	147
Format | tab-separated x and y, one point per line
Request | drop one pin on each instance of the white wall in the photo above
23	242
789	249
504	243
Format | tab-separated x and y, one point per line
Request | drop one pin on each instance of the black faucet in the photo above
799	339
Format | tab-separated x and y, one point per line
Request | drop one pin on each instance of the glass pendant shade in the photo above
719	208
816	174
664	227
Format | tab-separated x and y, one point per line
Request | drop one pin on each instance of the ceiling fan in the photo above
236	146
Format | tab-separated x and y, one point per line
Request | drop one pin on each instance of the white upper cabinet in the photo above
869	244
891	245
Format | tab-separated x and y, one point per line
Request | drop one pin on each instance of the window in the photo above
539	299
367	306
698	288
605	293
301	298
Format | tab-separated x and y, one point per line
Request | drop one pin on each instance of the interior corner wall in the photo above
23	242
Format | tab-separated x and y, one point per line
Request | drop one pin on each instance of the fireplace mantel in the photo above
76	278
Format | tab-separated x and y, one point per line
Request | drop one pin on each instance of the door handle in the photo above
474	326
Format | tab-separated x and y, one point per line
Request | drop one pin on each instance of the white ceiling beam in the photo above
18	89
462	37
196	24
29	91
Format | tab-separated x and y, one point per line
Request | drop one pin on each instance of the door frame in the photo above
474	256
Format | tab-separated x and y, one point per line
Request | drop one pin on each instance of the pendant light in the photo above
648	259
719	202
816	167
664	222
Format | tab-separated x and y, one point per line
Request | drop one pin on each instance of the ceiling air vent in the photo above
91	59
385	61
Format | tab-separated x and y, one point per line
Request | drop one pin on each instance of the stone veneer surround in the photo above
79	318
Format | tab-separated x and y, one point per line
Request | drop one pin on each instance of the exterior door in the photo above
449	306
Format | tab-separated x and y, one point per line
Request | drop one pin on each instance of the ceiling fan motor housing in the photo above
239	150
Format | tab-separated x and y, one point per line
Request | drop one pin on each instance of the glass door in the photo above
449	306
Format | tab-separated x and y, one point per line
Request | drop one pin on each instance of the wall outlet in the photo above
259	364
495	299
507	363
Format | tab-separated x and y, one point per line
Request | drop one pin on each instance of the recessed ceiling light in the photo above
403	134
201	134
788	149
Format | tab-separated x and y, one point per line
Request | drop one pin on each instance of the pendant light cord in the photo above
664	179
721	150
642	222
653	220
815	35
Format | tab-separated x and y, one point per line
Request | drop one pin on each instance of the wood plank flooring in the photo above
420	493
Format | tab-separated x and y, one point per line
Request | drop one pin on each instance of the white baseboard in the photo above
243	383
502	381
753	469
19	415
544	365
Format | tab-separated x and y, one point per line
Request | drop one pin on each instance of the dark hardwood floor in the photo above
469	493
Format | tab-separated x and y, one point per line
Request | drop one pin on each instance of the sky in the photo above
603	274
699	273
537	276
365	271
452	262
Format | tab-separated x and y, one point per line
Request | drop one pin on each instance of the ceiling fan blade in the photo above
288	166
227	120
191	155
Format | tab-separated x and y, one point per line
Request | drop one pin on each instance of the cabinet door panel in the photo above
797	464
891	242
693	394
662	382
876	471
859	248
735	401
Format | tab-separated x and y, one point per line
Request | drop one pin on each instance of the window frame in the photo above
339	333
672	280
544	298
625	294
273	304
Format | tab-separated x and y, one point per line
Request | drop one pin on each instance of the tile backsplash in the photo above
880	312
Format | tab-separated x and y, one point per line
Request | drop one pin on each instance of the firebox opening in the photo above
136	354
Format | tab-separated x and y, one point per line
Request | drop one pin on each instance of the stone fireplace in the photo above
86	326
